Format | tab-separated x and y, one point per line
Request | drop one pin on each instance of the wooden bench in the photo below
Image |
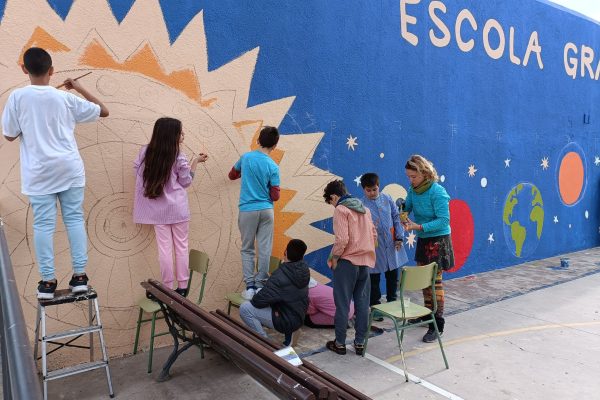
249	351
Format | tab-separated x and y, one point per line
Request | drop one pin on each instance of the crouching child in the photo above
282	303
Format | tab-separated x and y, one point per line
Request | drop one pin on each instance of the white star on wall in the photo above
545	163
556	219
411	239
597	160
472	170
507	163
491	238
357	180
352	142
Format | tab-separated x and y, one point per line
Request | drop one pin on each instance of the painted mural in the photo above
502	96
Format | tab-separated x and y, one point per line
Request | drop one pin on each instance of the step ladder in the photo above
64	296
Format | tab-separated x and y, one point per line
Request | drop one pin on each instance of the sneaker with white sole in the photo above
79	283
249	293
46	289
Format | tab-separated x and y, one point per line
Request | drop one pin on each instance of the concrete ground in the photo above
527	332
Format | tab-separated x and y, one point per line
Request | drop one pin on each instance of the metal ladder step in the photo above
75	369
73	332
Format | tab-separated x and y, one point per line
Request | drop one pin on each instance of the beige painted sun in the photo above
141	76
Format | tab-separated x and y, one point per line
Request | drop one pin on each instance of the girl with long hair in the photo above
162	175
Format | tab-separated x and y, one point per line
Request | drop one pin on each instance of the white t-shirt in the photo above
46	117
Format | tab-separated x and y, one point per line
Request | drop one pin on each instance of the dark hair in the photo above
268	137
369	179
295	250
37	61
336	187
160	155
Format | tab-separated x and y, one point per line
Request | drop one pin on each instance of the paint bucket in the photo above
564	263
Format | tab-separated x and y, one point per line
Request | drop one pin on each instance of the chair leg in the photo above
437	332
368	332
151	342
229	308
137	332
401	349
295	336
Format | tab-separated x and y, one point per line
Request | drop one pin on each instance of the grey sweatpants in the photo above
256	226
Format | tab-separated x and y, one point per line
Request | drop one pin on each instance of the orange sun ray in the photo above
146	63
41	38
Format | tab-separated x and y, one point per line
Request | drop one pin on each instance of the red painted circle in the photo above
463	232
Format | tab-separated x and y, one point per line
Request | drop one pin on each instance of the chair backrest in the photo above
199	263
274	263
416	278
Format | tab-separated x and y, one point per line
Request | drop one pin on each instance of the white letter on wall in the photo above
587	56
570	62
469	44
406	19
534	46
511	47
444	40
493	53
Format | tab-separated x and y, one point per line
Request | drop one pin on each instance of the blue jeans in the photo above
351	282
44	224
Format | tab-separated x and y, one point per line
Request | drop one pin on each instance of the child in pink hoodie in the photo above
352	255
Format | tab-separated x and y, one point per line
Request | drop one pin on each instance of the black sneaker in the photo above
359	349
182	292
420	319
78	284
430	336
46	289
336	348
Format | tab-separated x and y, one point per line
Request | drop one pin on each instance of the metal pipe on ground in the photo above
20	380
345	391
271	377
317	387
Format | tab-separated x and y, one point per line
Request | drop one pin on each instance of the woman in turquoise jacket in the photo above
429	204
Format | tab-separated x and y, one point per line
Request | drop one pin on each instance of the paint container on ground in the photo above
564	263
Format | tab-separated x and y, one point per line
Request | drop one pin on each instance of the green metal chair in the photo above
235	299
412	278
198	263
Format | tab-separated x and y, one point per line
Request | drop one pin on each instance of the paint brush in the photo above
79	77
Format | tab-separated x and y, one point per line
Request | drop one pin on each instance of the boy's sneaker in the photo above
79	283
336	348
359	349
431	336
46	289
249	293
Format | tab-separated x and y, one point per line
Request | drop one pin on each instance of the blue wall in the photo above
353	73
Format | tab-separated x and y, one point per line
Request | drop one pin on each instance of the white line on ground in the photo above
414	378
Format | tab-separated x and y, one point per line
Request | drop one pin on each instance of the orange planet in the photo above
571	175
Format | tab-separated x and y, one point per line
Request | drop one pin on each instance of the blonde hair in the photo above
423	166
